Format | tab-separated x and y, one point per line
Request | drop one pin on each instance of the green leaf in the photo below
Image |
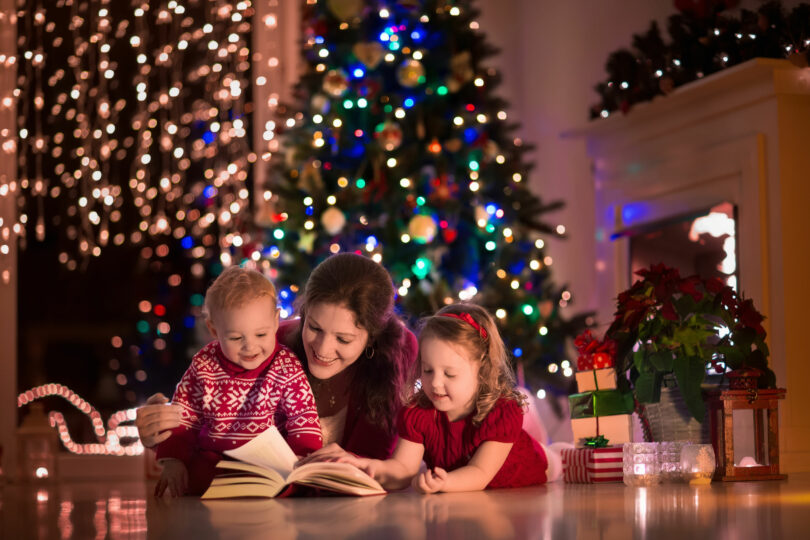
638	360
662	360
690	373
646	389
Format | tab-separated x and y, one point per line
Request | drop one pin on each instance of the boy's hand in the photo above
174	477
430	481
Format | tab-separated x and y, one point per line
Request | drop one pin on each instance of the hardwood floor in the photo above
115	510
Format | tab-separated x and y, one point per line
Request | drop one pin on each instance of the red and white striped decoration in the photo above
575	465
592	465
605	464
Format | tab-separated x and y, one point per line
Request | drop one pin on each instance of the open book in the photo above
265	465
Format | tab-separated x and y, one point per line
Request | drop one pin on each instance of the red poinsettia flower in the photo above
715	285
668	312
750	317
689	286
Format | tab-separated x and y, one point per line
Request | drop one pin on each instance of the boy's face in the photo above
247	334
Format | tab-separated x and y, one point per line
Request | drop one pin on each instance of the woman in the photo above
355	350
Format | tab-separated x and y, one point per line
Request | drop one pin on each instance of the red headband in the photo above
467	318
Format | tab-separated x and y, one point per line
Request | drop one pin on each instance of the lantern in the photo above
745	432
38	445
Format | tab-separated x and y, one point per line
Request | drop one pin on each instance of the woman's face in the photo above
332	339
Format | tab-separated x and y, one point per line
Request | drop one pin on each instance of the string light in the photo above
110	439
130	160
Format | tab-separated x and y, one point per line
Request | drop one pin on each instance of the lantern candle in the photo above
697	464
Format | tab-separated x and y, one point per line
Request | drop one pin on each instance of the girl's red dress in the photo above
451	445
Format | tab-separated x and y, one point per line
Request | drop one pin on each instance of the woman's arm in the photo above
475	476
155	420
397	472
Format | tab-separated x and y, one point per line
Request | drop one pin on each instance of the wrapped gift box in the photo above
617	428
592	465
596	379
602	412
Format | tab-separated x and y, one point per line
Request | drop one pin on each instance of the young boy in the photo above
236	386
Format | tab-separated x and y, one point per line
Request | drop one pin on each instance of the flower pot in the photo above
669	419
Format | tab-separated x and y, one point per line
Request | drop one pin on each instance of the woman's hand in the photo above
330	452
155	420
430	481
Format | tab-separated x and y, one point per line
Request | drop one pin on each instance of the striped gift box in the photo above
605	465
592	465
575	465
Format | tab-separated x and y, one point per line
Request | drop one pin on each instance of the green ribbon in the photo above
600	403
596	442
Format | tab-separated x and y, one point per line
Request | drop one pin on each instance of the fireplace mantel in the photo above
743	136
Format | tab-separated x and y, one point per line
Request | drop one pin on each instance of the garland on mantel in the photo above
704	40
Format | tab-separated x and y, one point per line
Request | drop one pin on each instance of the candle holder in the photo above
698	464
641	464
669	459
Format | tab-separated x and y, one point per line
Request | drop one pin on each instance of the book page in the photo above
227	491
269	450
337	476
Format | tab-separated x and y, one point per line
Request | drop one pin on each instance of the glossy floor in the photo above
774	509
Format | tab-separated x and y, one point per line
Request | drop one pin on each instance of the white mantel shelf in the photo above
720	93
740	136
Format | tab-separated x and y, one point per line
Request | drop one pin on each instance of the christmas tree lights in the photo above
400	150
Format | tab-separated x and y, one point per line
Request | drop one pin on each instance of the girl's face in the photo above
247	334
332	339
449	377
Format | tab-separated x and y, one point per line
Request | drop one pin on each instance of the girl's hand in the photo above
330	452
174	477
155	420
430	481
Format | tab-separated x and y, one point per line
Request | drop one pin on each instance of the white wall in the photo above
552	55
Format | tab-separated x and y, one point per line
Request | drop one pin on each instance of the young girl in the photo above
466	419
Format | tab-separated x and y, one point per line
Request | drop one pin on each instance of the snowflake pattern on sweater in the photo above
225	405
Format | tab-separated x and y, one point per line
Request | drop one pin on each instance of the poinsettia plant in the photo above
668	324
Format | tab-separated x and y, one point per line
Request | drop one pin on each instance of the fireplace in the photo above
725	155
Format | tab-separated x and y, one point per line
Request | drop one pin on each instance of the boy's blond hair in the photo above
496	380
234	288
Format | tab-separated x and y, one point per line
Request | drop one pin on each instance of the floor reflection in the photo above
115	510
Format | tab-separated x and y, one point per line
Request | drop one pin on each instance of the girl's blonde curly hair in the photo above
480	339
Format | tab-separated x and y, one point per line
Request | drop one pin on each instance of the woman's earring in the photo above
369	352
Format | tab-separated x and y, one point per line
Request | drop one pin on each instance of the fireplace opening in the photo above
702	242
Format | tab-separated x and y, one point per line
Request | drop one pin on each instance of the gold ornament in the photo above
345	9
411	73
461	71
422	229
453	145
333	220
389	135
335	82
370	53
320	103
306	242
311	180
546	307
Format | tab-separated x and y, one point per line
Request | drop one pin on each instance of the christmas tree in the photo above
400	150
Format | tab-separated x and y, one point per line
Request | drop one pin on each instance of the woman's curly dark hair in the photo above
365	288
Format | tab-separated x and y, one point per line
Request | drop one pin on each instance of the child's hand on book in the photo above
174	477
430	481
